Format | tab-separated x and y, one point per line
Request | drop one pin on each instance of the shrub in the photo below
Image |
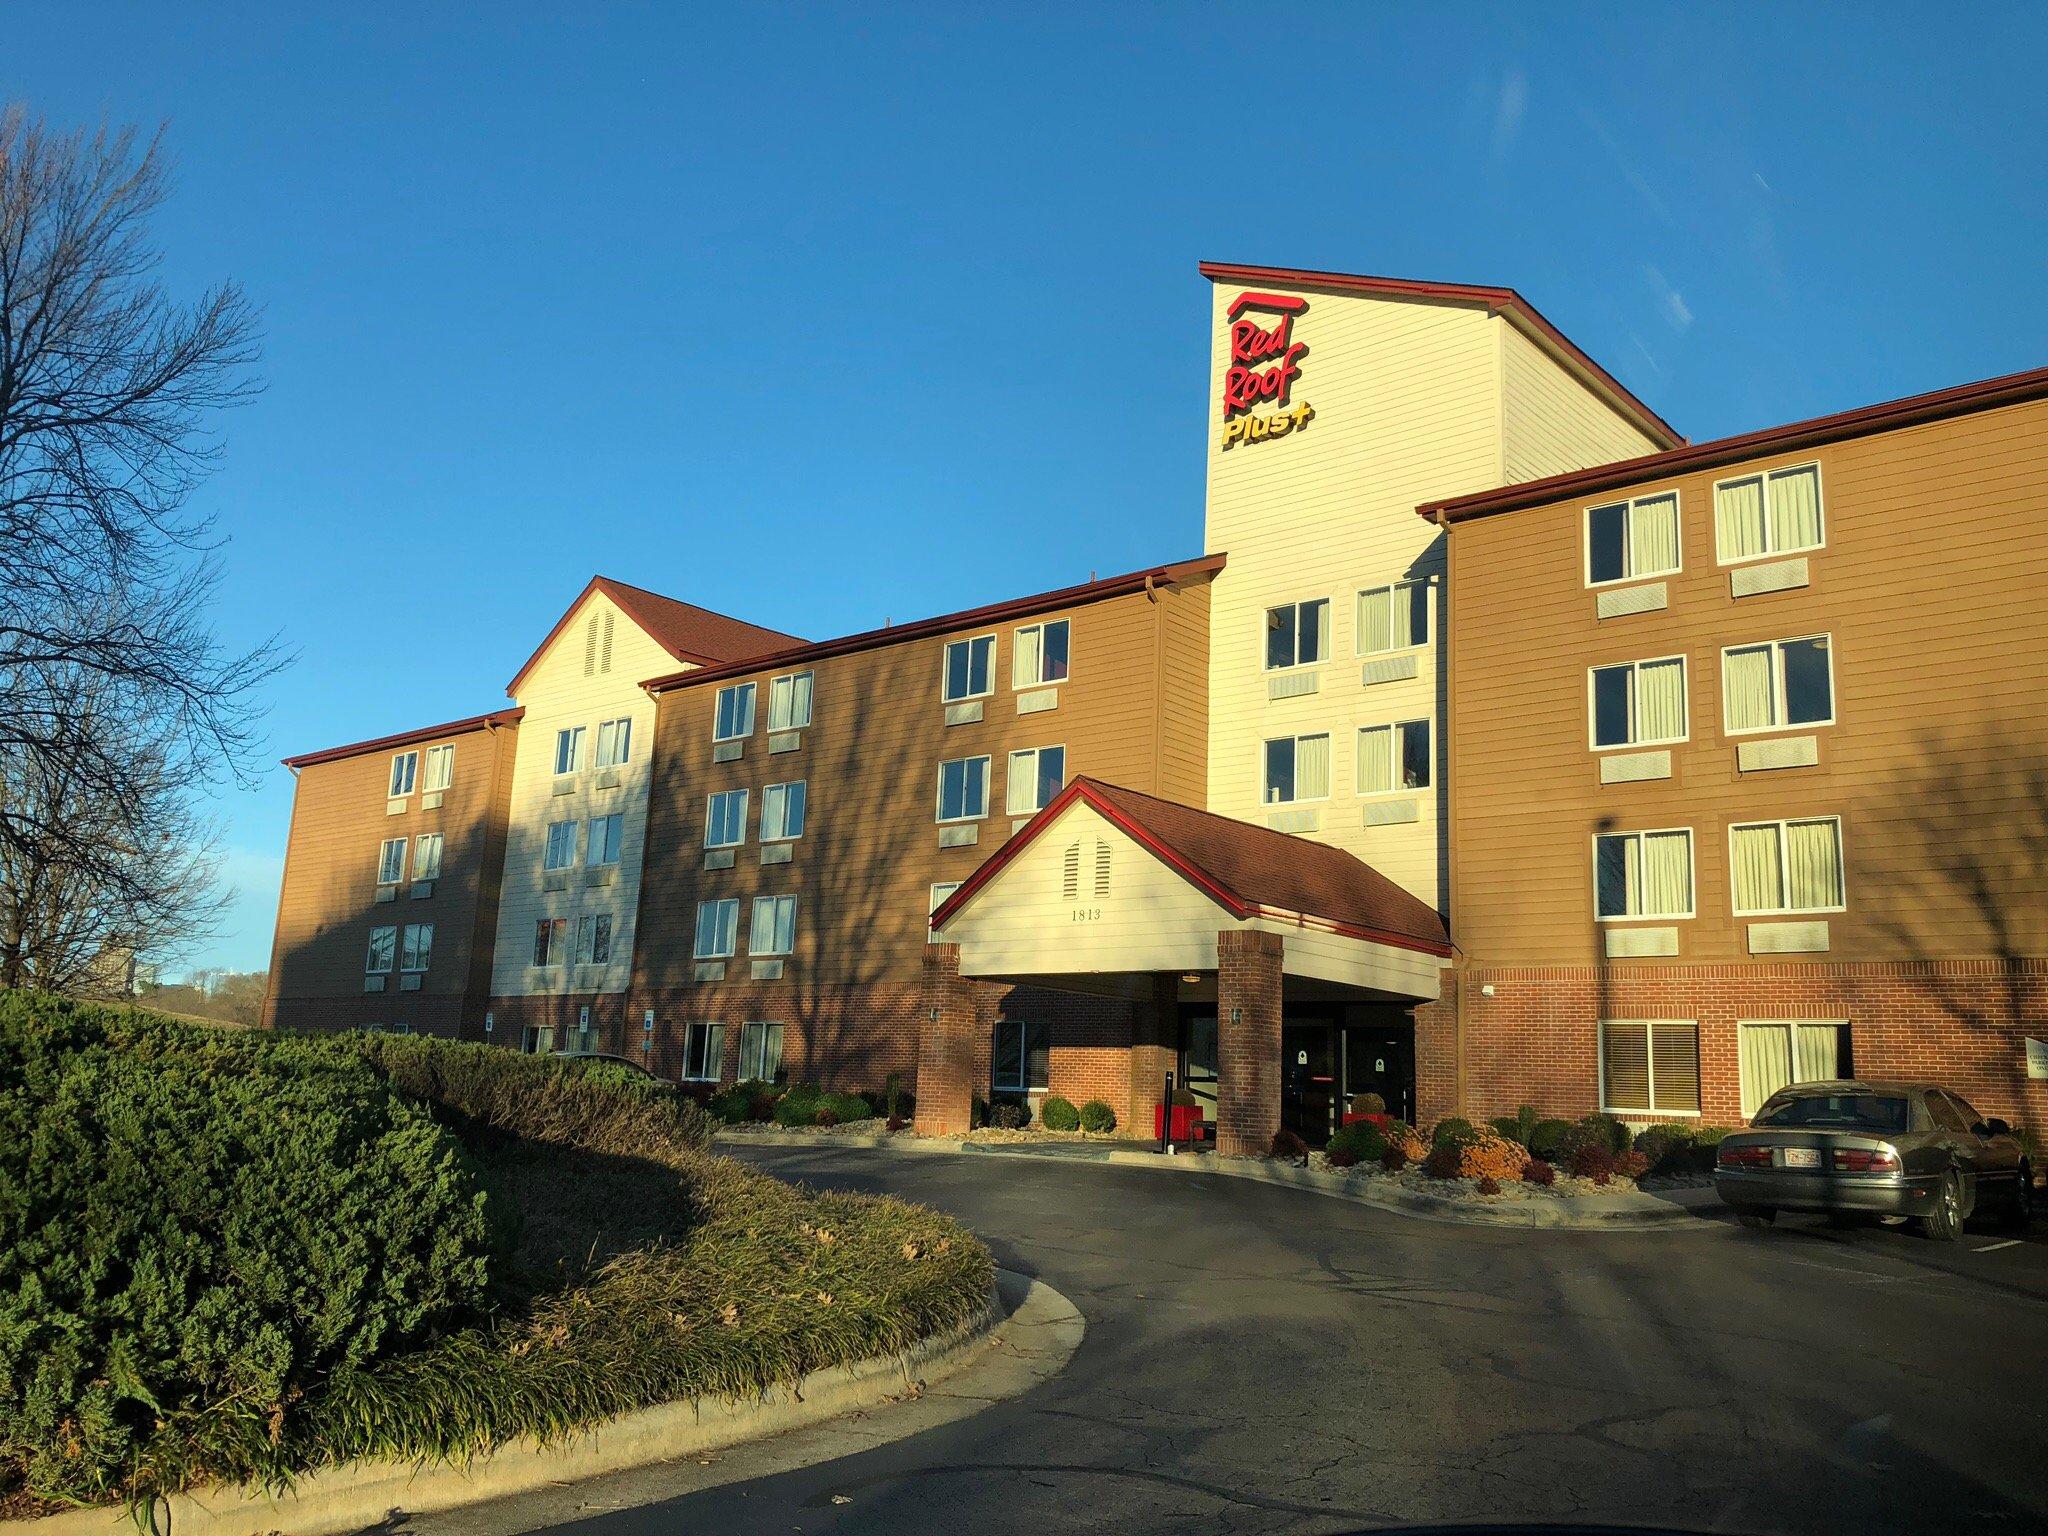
1395	1158
824	1116
1481	1155
846	1108
1289	1147
1489	1185
977	1113
799	1106
1598	1130
1451	1128
1667	1149
1338	1157
1590	1160
1058	1114
1360	1142
1631	1165
1519	1126
1539	1173
1009	1114
1097	1118
1546	1138
730	1107
1368	1104
1442	1162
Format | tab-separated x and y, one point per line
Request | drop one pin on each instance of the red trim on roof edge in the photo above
1495	300
623	594
500	717
1912	410
994	613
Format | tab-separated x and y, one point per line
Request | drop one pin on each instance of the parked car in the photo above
1855	1151
604	1056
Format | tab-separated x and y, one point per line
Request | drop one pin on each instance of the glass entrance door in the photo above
1380	1058
1198	1064
1308	1080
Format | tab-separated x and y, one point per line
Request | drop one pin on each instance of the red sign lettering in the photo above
1265	360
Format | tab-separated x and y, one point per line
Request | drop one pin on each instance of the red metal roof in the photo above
1248	870
500	717
1495	300
685	631
1913	410
994	613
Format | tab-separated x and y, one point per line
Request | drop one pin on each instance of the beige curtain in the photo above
1660	700
1376	619
1027	658
1739	519
1746	679
1813	865
1311	767
1795	508
1759	880
1375	759
1321	611
1816	1052
1653	536
1666	875
1766	1063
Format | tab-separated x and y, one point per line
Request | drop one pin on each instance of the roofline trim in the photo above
621	593
1496	301
496	718
994	613
1909	411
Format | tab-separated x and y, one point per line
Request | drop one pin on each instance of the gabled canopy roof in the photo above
1250	871
688	633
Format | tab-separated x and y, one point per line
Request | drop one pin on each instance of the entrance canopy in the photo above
1106	887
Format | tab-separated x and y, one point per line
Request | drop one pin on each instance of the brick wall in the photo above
1248	1007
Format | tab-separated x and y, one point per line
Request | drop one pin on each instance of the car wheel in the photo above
1756	1221
1944	1224
2019	1212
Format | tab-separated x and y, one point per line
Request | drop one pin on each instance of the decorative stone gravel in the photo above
1414	1181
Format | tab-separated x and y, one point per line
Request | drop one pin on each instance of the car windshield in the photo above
1837	1111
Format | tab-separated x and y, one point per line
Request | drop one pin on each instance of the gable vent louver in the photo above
1070	872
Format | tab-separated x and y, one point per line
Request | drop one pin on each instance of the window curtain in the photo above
1027	658
1376	620
1375	759
1311	767
1813	865
1666	875
1795	509
1766	1064
1660	700
1816	1052
1653	535
1759	879
1746	676
1739	519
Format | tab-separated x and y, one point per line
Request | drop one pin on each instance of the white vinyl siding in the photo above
734	717
789	701
1778	513
782	811
1297	634
1038	654
1632	540
1393	618
1393	757
1782	867
718	927
773	931
1638	703
1297	768
1778	684
1643	874
1034	776
969	671
963	789
440	766
725	819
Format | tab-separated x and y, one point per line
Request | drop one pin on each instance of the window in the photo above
940	891
718	927
789	702
760	1053
1778	1053
561	851
1393	757
418	952
1650	1066
1021	1056
1297	634
1630	540
703	1052
735	713
774	929
782	812
1297	768
725	819
440	769
1639	703
550	938
1643	874
963	789
426	856
1787	866
383	947
405	768
391	861
1774	514
615	742
605	835
1393	618
568	750
1778	684
969	666
1036	775
594	939
1040	655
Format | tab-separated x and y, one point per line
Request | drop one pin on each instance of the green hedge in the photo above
1097	1118
1058	1114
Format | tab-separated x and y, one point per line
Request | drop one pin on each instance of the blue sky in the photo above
822	315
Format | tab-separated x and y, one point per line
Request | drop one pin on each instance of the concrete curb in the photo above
1569	1213
362	1494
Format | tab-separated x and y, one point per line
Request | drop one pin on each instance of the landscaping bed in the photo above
236	1256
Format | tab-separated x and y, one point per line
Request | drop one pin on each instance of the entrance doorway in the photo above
1379	1057
1310	1079
1328	1056
1197	1069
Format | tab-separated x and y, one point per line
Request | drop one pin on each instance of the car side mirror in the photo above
1994	1128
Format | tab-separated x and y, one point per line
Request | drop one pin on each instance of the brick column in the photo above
949	1045
1248	988
1155	1047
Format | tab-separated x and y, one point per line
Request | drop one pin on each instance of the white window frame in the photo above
593	843
548	865
712	799
1781	823
1649	1071
769	799
946	668
409	773
586	938
779	705
987	772
370	967
754	1032
1778	694
1010	806
778	903
437	773
1265	624
410	960
420	844
1297	738
388	861
1393	728
614	742
570	737
1586	538
1820	489
1790	1026
721	904
941	889
712	1030
733	690
555	945
1017	652
1634	666
1692	873
1428	587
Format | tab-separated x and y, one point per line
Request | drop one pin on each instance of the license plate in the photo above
1802	1157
